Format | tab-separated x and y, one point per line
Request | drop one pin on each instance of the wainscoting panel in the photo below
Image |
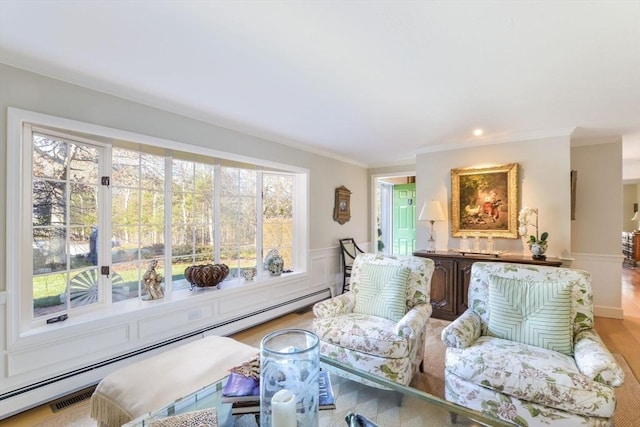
326	269
183	320
58	354
606	281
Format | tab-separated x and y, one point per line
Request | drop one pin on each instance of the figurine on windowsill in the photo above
152	282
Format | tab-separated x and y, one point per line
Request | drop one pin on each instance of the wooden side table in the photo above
450	281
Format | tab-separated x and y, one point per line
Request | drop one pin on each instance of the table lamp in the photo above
636	217
431	212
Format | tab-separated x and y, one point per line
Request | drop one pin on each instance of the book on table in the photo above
326	398
241	389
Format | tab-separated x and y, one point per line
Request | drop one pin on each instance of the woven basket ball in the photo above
206	275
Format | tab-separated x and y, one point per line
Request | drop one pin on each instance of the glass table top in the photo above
353	394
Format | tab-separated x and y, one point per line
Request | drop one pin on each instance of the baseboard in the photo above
610	312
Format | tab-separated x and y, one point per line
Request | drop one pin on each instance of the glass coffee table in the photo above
379	406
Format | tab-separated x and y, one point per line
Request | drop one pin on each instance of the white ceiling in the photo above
372	82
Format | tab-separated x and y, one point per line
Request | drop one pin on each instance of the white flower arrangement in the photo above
524	221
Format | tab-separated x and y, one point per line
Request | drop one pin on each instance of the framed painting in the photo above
342	206
484	201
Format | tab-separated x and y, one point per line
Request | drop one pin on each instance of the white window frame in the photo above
19	202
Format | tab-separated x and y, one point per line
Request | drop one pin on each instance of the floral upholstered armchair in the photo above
525	350
379	325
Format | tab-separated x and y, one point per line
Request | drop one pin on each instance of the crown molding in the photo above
498	139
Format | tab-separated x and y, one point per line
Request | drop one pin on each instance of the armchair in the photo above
379	325
525	350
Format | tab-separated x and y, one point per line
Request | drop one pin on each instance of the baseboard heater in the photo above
156	346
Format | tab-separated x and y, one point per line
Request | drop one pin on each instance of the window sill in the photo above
136	308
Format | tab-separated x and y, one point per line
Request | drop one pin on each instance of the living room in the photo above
545	153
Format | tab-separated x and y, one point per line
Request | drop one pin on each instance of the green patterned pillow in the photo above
382	291
535	313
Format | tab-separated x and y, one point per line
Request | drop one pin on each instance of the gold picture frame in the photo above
342	206
484	201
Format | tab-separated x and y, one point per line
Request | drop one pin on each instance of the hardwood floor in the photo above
623	336
620	336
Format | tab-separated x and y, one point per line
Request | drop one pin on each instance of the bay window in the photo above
103	208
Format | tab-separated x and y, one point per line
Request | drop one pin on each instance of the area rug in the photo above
366	399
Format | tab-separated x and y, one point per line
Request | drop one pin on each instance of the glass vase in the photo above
289	360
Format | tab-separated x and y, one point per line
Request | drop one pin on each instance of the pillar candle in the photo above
283	407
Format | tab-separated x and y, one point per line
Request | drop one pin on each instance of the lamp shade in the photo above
636	216
431	211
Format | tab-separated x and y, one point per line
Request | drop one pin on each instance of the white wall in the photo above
598	198
543	164
545	167
595	234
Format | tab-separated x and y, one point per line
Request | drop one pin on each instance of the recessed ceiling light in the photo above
478	132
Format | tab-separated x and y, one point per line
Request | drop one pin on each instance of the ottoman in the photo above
157	381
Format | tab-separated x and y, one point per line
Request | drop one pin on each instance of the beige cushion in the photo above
152	383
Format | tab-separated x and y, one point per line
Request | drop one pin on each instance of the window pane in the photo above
182	175
181	241
138	207
83	287
49	294
83	164
193	218
126	247
152	241
152	172
49	157
182	207
65	217
238	219
80	247
125	278
49	249
277	221
247	182
203	204
125	203
152	207
84	204
49	202
125	168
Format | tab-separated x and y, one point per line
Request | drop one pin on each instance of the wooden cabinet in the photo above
631	247
442	293
450	281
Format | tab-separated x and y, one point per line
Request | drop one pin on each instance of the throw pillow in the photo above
382	291
535	313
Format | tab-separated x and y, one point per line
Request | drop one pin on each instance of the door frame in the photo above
373	232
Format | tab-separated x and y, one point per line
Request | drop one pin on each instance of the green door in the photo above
404	219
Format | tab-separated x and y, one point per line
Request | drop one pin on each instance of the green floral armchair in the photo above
522	383
393	349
